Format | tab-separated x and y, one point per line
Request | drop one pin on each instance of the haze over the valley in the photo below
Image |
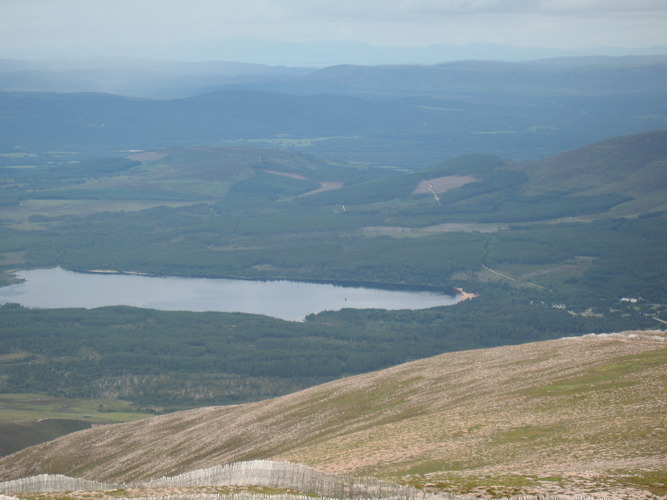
323	33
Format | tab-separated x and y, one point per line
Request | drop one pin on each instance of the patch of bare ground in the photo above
14	356
443	184
287	174
568	268
324	186
580	415
399	231
463	295
463	227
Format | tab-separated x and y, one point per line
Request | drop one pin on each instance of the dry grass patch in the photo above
443	184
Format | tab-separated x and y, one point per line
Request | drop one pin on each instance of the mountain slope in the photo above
625	175
574	410
633	165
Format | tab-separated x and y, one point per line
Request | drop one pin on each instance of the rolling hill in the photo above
386	115
578	415
558	76
621	176
633	165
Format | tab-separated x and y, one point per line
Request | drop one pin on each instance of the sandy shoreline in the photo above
465	295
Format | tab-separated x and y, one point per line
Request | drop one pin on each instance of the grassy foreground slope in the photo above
571	415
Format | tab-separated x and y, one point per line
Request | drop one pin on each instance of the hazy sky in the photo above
198	29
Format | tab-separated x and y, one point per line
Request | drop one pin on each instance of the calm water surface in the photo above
289	300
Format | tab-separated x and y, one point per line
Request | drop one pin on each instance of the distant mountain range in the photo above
323	53
327	53
166	79
407	116
135	77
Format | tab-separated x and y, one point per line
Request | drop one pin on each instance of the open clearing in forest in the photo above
443	184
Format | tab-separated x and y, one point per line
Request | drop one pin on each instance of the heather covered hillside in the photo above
571	415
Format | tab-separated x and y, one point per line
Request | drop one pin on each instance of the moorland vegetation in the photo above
578	415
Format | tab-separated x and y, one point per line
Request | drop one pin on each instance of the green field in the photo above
30	419
33	407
